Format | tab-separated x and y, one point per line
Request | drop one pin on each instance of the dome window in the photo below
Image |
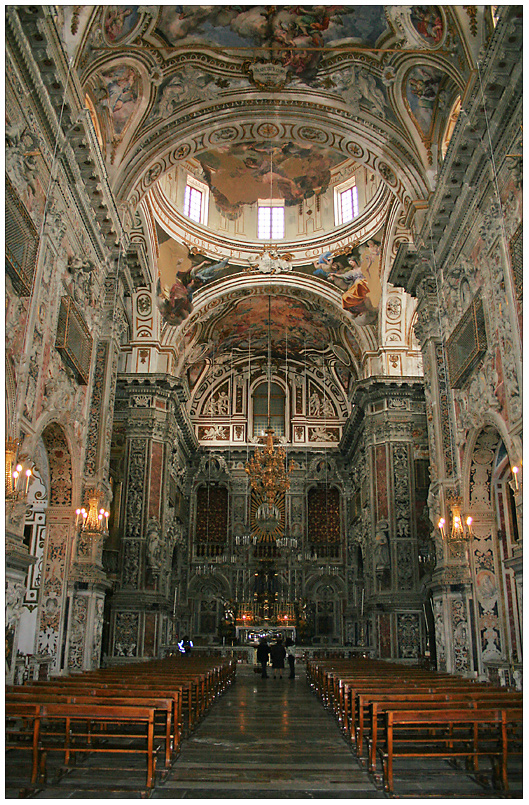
196	201
346	202
271	219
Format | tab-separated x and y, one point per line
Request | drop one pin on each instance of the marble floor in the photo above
264	738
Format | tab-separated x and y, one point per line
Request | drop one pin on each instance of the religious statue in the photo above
381	552
155	548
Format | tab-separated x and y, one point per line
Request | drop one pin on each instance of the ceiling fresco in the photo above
298	39
123	89
120	24
270	102
354	271
295	327
243	173
428	22
289	33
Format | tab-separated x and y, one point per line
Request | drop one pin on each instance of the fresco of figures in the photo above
357	274
243	173
293	33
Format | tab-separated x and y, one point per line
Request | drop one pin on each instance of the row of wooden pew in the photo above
143	708
389	711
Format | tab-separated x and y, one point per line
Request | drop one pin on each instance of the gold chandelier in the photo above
266	469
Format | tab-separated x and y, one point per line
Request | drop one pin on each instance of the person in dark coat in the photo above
277	654
262	656
291	657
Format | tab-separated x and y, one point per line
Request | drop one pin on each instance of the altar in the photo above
251	635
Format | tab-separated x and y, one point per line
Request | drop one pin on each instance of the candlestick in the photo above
28	476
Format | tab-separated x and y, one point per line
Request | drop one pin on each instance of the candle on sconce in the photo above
16	475
28	476
441	526
78	514
469	524
515	471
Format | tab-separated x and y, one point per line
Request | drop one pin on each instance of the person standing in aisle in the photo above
277	654
262	656
291	656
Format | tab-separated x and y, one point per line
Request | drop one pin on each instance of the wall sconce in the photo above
15	473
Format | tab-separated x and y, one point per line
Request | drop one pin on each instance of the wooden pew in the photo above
449	733
44	715
380	703
27	713
163	706
191	686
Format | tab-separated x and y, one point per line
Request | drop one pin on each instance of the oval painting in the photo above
428	23
120	23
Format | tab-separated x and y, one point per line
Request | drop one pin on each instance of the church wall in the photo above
473	266
56	393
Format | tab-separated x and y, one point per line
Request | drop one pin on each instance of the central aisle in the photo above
267	738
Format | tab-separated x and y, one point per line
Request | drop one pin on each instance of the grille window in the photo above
349	204
467	345
21	242
74	341
277	409
517	260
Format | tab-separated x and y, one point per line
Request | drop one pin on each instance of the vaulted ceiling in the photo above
289	100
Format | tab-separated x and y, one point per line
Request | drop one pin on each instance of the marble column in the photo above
394	429
151	421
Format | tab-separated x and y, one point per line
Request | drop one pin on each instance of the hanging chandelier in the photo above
269	476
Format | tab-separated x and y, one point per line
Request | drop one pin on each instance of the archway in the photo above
494	608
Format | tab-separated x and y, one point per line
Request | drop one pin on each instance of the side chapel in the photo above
263	332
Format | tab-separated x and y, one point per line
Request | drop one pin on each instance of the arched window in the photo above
260	409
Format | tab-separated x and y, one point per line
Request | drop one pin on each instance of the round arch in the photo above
325	124
60	465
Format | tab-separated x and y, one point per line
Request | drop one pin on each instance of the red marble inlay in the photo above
381	482
384	635
156	479
149	635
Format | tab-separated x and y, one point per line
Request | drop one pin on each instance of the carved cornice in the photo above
140	393
467	162
464	177
58	103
